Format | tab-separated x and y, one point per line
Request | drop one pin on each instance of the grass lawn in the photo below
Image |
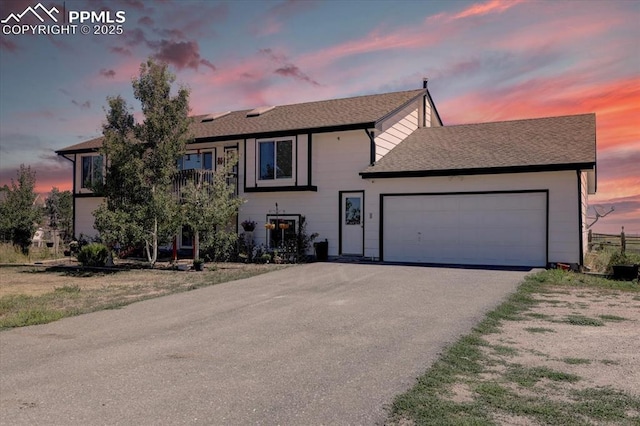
38	295
558	351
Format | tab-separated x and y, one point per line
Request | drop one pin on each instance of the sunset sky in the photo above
486	61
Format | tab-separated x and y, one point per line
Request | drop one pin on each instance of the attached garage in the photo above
488	228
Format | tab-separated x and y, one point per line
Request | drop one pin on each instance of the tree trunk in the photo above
196	245
147	250
154	258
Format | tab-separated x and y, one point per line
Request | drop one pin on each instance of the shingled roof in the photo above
335	114
552	143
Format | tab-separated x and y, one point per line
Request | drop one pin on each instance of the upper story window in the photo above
276	159
202	160
91	170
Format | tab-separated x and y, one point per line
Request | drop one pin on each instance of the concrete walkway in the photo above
323	343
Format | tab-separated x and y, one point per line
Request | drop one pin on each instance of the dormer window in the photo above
276	159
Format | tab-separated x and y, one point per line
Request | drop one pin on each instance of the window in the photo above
282	228
91	170
196	161
276	159
352	211
186	237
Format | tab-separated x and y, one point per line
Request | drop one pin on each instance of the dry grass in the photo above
562	350
12	254
37	295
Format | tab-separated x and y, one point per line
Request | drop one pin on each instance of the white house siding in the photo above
395	129
300	176
564	244
591	181
301	164
84	208
335	166
336	163
249	151
428	114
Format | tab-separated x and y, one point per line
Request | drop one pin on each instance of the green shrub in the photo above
94	254
618	258
219	246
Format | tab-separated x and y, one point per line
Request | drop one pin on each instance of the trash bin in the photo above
322	250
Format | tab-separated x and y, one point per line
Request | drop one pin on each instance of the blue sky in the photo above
486	61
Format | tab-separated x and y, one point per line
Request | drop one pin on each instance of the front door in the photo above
352	223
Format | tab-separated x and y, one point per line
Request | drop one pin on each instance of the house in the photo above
381	177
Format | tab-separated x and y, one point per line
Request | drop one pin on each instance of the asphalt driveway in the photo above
323	343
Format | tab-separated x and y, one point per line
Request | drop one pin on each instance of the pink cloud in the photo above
376	41
492	6
556	30
616	104
183	54
275	18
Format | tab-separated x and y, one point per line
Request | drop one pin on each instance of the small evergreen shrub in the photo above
618	258
94	254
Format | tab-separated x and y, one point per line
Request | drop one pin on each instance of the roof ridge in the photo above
515	120
327	100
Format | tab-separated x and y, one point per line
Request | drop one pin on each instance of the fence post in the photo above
623	242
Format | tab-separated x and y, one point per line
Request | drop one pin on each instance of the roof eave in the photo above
478	171
76	151
403	105
433	105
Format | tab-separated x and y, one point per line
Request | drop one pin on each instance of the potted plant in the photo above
248	225
198	264
624	266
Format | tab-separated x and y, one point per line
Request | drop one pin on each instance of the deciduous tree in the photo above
208	208
19	216
140	206
59	207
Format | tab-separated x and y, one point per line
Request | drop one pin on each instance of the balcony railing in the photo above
199	177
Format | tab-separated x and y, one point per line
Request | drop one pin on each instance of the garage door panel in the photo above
479	229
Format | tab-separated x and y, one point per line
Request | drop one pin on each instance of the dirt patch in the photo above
594	334
575	348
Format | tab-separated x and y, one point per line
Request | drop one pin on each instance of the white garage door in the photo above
468	229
